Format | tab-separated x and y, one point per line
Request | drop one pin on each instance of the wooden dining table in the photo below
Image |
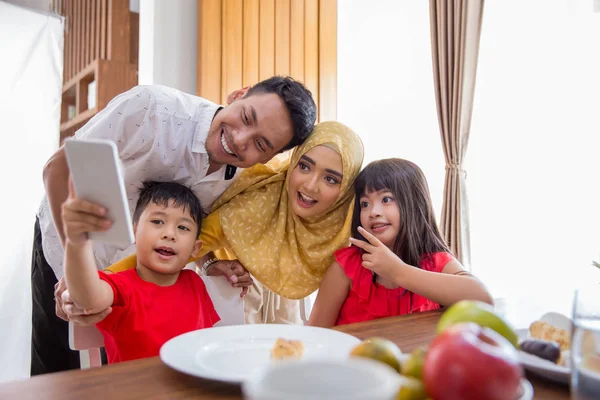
151	379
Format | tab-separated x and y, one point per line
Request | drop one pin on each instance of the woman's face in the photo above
315	182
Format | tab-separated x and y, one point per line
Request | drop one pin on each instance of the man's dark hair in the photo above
298	101
162	193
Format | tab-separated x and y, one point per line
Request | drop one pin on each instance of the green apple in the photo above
411	389
379	349
480	313
413	366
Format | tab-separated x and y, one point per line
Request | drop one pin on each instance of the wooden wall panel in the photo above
297	39
97	24
76	39
103	29
77	29
92	30
231	52
86	33
209	50
282	37
327	60
68	44
267	39
118	31
134	45
311	47
250	48
241	42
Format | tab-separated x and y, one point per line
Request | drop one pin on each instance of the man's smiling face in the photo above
249	131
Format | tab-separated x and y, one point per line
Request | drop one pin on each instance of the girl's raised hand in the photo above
377	256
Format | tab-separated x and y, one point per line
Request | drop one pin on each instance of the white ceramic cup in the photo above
347	379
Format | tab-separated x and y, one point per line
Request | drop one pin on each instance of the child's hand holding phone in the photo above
81	217
97	176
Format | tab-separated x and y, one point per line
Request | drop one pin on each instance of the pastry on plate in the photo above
544	331
287	349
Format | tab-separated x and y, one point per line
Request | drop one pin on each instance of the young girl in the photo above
398	262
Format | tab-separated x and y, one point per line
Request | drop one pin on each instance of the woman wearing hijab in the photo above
284	220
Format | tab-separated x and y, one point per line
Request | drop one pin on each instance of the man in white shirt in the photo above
162	134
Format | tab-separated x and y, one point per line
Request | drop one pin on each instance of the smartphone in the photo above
97	177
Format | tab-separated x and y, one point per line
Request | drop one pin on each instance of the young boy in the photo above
157	300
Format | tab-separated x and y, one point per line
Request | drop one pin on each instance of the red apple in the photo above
468	362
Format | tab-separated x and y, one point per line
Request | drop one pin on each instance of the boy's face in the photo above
165	237
249	131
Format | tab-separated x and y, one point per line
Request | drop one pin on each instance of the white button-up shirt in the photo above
160	133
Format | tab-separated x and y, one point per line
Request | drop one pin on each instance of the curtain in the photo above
31	70
455	33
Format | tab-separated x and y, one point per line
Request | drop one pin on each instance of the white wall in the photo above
168	37
385	83
30	95
39	5
134	6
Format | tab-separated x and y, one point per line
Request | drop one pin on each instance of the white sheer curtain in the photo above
534	154
31	49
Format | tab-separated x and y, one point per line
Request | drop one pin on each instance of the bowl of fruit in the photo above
474	356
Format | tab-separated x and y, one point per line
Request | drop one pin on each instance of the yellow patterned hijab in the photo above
287	254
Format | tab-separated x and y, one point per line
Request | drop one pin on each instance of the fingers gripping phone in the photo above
97	177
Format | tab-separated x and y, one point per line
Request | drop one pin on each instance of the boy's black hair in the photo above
162	193
298	101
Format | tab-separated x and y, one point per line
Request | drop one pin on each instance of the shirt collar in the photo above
205	113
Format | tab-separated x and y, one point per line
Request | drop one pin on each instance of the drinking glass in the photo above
585	344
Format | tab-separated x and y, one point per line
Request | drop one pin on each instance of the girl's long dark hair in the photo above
419	234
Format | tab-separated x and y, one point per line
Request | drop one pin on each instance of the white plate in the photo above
539	366
527	390
231	353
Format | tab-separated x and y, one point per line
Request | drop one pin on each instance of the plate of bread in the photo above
232	353
545	348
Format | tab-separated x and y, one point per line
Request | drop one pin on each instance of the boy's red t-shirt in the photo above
368	300
144	315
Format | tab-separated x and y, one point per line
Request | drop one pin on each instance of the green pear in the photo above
480	313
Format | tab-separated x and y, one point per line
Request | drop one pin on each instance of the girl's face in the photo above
380	216
315	182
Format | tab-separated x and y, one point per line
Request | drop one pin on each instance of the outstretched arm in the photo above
86	289
451	286
332	294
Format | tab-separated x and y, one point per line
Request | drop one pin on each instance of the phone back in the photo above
97	177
